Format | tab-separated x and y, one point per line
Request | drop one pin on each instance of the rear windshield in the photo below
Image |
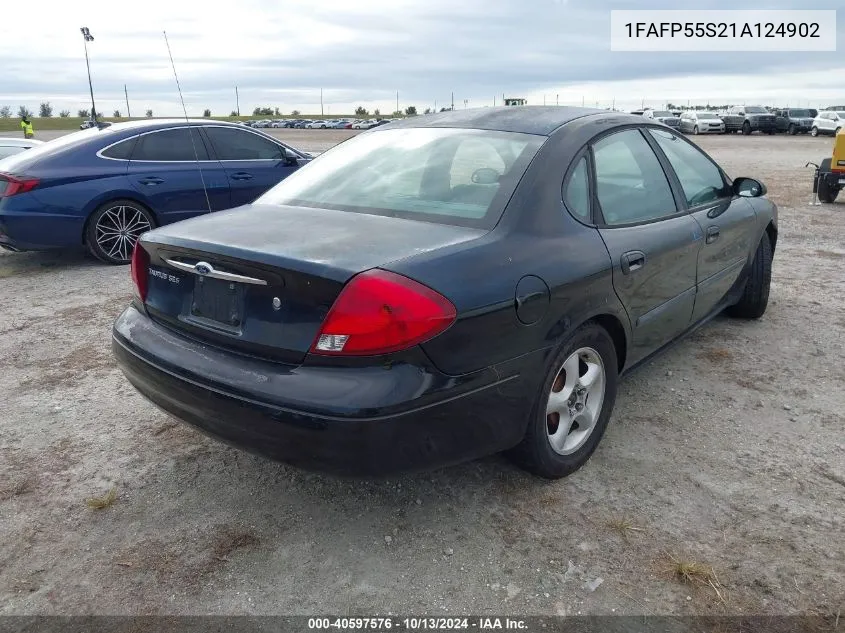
10	150
799	113
756	110
450	176
708	115
24	160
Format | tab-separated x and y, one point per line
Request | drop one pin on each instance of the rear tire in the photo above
814	132
555	444
755	296
113	229
695	130
827	194
746	128
792	129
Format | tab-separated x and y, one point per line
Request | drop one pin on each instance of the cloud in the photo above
283	54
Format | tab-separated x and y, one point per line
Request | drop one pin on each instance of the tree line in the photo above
45	111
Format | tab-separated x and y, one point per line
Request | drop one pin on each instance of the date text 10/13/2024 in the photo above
416	624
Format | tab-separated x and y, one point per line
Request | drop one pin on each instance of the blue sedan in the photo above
102	188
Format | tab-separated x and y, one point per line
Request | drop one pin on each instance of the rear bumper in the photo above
26	225
359	421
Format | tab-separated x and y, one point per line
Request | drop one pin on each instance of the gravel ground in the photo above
728	451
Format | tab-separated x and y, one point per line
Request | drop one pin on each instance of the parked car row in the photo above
103	187
750	119
318	124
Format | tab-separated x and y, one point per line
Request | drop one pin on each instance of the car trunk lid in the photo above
261	279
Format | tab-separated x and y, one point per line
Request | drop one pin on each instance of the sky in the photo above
282	54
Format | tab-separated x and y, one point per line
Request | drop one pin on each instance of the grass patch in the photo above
99	503
695	573
624	527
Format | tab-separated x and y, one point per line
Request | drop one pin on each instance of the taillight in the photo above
379	312
140	270
12	185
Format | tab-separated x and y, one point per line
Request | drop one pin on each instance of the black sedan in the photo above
443	288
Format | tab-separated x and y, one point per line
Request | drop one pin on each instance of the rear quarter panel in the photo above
72	184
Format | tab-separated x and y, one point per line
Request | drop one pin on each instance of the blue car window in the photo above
174	145
122	150
234	144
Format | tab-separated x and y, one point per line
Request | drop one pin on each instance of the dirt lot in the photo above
727	451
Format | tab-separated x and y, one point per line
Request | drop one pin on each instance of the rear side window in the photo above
630	183
174	145
576	192
122	150
232	144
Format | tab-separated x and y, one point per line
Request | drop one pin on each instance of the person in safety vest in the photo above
26	126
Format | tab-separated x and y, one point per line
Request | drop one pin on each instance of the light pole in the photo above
86	34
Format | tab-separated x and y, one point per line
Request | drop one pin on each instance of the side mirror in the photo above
748	188
289	158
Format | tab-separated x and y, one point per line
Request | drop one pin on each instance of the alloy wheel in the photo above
575	401
118	229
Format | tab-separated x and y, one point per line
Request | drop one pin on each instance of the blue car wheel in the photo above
114	228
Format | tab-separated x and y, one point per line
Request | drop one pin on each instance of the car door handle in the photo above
242	175
712	234
632	261
151	180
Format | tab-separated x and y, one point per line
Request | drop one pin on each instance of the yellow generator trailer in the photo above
830	175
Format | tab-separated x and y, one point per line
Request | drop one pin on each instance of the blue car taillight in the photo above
12	185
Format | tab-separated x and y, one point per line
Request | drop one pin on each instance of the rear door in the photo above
727	221
653	243
825	122
253	162
172	171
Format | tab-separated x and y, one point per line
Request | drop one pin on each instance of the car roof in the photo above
540	120
19	142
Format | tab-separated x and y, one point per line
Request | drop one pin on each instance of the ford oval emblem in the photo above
203	268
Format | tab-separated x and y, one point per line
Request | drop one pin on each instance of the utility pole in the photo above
494	101
544	99
126	94
582	101
453	100
321	103
237	102
557	100
86	34
397	101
